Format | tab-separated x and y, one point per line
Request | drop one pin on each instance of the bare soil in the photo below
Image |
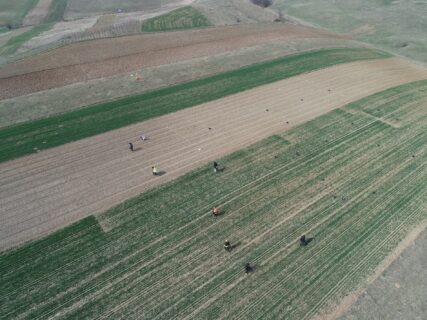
106	57
38	13
44	192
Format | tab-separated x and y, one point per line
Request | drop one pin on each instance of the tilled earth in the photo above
44	192
102	58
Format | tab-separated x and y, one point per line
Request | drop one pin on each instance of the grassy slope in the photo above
15	42
13	11
183	18
354	187
26	138
398	26
55	14
56	11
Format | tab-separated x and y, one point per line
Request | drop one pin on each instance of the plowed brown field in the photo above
46	191
101	58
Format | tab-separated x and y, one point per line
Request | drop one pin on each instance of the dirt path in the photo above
101	58
47	191
38	13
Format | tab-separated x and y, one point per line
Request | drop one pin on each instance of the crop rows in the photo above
353	183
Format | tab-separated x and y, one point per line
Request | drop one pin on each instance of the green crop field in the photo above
45	133
183	18
353	180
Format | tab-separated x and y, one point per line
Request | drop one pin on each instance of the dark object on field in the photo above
266	110
248	268
216	166
302	99
298	154
210	128
374	192
131	146
329	90
227	246
214	211
413	156
287	122
262	3
303	241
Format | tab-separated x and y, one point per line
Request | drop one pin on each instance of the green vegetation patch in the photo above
353	184
183	18
41	134
56	11
13	11
16	42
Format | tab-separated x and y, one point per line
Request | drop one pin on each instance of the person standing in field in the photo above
131	146
227	246
216	166
214	211
303	241
154	171
142	137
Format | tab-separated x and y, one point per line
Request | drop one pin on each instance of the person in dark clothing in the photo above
216	166
227	246
131	146
248	268
303	241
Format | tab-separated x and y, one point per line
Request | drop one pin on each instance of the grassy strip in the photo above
15	43
27	138
183	18
163	256
56	11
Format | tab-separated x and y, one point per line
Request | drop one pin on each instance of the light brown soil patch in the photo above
38	13
44	192
106	57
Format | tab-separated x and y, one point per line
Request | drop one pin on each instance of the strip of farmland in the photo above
354	180
49	190
46	133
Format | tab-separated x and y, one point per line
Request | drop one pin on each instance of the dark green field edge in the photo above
163	257
27	138
179	19
56	11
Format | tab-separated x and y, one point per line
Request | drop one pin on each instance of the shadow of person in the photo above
235	245
161	173
308	240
